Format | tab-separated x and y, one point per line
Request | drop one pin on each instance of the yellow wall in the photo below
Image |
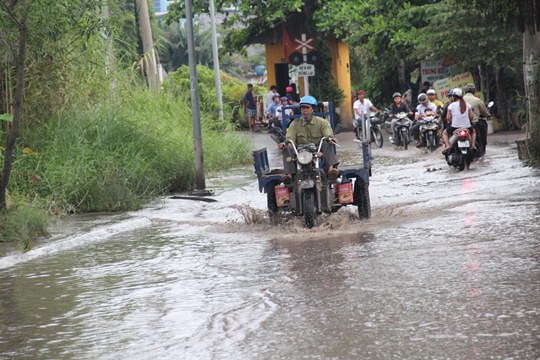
274	55
342	73
340	69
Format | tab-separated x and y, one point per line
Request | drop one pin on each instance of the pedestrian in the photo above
250	110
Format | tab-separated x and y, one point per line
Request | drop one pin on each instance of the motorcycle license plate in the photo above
463	143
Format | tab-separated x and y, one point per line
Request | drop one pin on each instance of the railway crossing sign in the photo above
305	70
304	44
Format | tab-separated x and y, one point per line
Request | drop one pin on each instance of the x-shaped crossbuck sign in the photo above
304	44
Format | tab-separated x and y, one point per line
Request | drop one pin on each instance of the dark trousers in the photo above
481	134
329	157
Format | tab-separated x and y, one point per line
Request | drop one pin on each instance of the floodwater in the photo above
447	268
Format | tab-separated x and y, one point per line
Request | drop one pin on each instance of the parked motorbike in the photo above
373	127
401	136
460	154
429	132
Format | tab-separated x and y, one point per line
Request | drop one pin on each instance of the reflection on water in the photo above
448	267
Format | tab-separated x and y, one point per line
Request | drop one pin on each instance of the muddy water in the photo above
448	267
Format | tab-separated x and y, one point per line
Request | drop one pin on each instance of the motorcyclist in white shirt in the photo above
361	108
424	108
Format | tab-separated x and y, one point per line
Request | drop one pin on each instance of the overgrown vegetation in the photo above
94	138
23	224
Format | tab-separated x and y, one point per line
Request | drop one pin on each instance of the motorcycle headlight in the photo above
305	157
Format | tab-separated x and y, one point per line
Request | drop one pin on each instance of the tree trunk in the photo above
13	133
531	78
502	104
147	42
401	75
531	75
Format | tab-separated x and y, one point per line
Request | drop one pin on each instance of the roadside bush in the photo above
232	89
23	224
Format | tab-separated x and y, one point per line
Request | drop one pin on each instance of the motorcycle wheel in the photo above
462	162
468	159
361	199
308	205
377	137
431	141
271	203
406	140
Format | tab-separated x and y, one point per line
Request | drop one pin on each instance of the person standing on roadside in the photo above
250	109
480	114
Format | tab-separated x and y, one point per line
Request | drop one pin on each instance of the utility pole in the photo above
304	56
147	42
195	107
216	59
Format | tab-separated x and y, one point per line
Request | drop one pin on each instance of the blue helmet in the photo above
308	100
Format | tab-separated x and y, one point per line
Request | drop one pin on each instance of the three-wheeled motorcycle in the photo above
311	192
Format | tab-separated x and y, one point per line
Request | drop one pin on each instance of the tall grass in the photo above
117	154
23	224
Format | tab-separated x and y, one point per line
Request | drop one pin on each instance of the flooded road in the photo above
447	268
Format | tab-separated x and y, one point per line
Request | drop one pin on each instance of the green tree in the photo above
525	16
29	35
469	42
173	50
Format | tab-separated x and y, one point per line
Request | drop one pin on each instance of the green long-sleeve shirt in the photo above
309	132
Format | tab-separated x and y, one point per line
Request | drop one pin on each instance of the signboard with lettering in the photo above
443	86
432	71
304	70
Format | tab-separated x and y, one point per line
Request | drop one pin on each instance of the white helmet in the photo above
431	92
457	92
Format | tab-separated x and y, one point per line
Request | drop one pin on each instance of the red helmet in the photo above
289	89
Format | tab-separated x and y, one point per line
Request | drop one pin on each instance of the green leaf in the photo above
6	117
